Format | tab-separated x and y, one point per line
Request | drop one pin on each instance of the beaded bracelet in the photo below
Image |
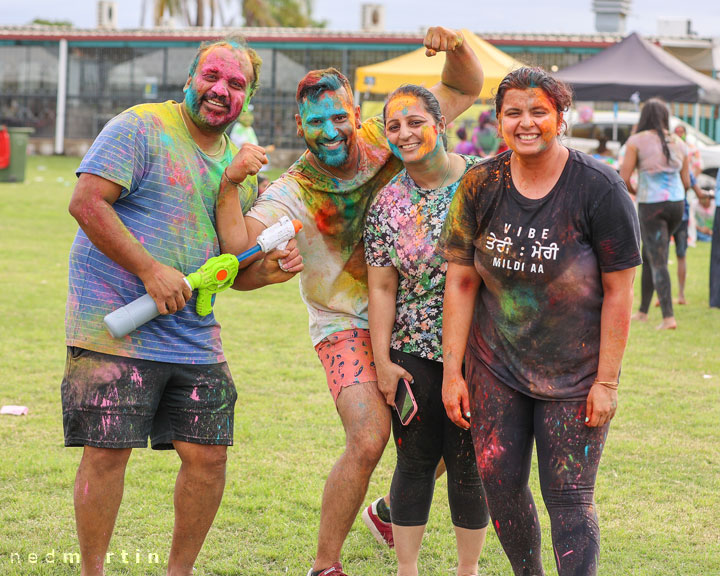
230	179
609	385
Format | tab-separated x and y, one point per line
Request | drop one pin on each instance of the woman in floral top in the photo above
406	284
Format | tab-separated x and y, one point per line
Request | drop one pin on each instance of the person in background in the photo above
406	282
715	252
542	244
704	216
464	146
602	152
263	183
685	234
242	131
663	176
485	134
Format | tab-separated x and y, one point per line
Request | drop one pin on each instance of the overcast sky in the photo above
540	16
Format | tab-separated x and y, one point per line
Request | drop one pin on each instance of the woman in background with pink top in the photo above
662	162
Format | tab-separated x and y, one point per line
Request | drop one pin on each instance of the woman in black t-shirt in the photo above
542	244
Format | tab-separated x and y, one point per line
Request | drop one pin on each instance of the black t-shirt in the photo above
536	323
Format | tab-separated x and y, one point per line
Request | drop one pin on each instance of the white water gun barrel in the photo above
279	234
131	316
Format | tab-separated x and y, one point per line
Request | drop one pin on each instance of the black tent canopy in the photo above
636	65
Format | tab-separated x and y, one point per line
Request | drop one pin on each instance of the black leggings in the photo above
504	424
658	221
429	436
715	261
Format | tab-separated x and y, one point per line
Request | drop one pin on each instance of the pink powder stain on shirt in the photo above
136	378
194	395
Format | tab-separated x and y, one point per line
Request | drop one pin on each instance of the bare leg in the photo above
99	484
682	276
469	546
407	546
366	420
198	492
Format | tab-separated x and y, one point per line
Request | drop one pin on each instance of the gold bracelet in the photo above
230	179
609	385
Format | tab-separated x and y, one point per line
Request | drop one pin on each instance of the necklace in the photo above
219	152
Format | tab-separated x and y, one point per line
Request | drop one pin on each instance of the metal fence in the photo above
105	80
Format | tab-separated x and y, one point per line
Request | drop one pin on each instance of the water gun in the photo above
216	275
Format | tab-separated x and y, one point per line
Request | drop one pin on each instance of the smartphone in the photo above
405	404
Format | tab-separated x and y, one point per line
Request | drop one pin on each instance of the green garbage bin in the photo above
15	170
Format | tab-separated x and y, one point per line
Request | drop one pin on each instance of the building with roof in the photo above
66	82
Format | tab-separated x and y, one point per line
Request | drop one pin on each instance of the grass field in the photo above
658	490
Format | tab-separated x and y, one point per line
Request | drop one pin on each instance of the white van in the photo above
583	136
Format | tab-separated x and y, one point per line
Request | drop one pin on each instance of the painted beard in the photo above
334	157
193	105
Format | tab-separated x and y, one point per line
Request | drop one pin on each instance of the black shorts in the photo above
117	402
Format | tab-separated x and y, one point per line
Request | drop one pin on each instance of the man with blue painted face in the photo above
330	189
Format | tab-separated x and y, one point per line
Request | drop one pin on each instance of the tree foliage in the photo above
256	13
43	22
284	13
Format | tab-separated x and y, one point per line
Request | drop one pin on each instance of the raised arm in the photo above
233	233
92	206
462	75
461	286
382	287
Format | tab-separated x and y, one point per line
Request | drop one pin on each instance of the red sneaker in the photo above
382	531
334	570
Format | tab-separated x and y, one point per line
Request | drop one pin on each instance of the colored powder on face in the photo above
404	105
321	127
216	77
401	105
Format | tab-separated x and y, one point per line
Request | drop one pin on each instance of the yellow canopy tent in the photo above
416	68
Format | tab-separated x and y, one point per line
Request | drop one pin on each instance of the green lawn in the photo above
658	490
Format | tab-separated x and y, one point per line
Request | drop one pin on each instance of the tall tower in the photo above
107	14
373	18
611	15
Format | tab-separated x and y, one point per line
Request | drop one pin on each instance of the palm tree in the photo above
259	13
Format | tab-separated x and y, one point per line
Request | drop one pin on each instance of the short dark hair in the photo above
428	99
656	116
235	42
526	77
316	82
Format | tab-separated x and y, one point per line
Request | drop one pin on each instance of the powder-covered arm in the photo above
614	330
462	77
461	286
382	288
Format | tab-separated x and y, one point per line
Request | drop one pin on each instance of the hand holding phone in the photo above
405	404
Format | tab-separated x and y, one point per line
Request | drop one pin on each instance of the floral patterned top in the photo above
402	229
